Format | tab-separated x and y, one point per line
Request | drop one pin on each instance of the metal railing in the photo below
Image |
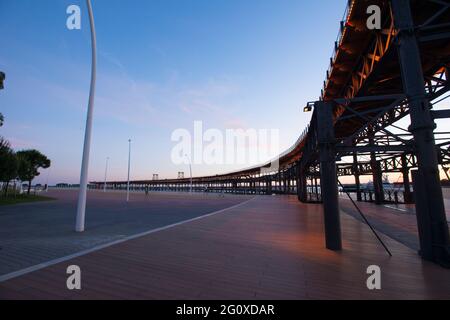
337	43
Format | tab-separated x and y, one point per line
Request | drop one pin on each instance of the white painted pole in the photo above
129	160
106	174
81	210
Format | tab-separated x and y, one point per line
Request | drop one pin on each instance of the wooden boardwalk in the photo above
268	248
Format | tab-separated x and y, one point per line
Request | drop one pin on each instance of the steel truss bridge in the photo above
376	79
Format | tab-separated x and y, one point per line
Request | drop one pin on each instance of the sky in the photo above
162	65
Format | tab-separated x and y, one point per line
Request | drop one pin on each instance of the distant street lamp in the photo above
81	210
129	159
190	169
106	173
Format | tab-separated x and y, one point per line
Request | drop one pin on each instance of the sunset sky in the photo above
162	64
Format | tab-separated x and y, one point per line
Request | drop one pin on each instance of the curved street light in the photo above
81	210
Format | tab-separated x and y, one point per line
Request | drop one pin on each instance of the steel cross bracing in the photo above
376	79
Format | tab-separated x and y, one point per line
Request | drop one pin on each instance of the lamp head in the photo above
309	107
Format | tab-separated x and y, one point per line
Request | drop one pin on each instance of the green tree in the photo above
8	164
2	119
30	161
4	145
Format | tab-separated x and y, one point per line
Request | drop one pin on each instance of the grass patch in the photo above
22	198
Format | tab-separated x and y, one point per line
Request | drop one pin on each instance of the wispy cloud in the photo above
18	144
217	99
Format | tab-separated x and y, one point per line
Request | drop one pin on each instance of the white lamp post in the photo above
129	159
106	173
81	210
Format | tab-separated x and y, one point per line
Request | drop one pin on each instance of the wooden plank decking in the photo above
268	248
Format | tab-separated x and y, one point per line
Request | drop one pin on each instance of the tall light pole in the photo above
190	169
81	210
106	173
129	159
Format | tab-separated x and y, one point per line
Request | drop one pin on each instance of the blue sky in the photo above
162	65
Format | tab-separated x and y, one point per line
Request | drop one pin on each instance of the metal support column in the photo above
279	181
301	184
288	181
268	185
407	195
430	212
285	182
377	175
316	189
328	175
356	175
234	186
